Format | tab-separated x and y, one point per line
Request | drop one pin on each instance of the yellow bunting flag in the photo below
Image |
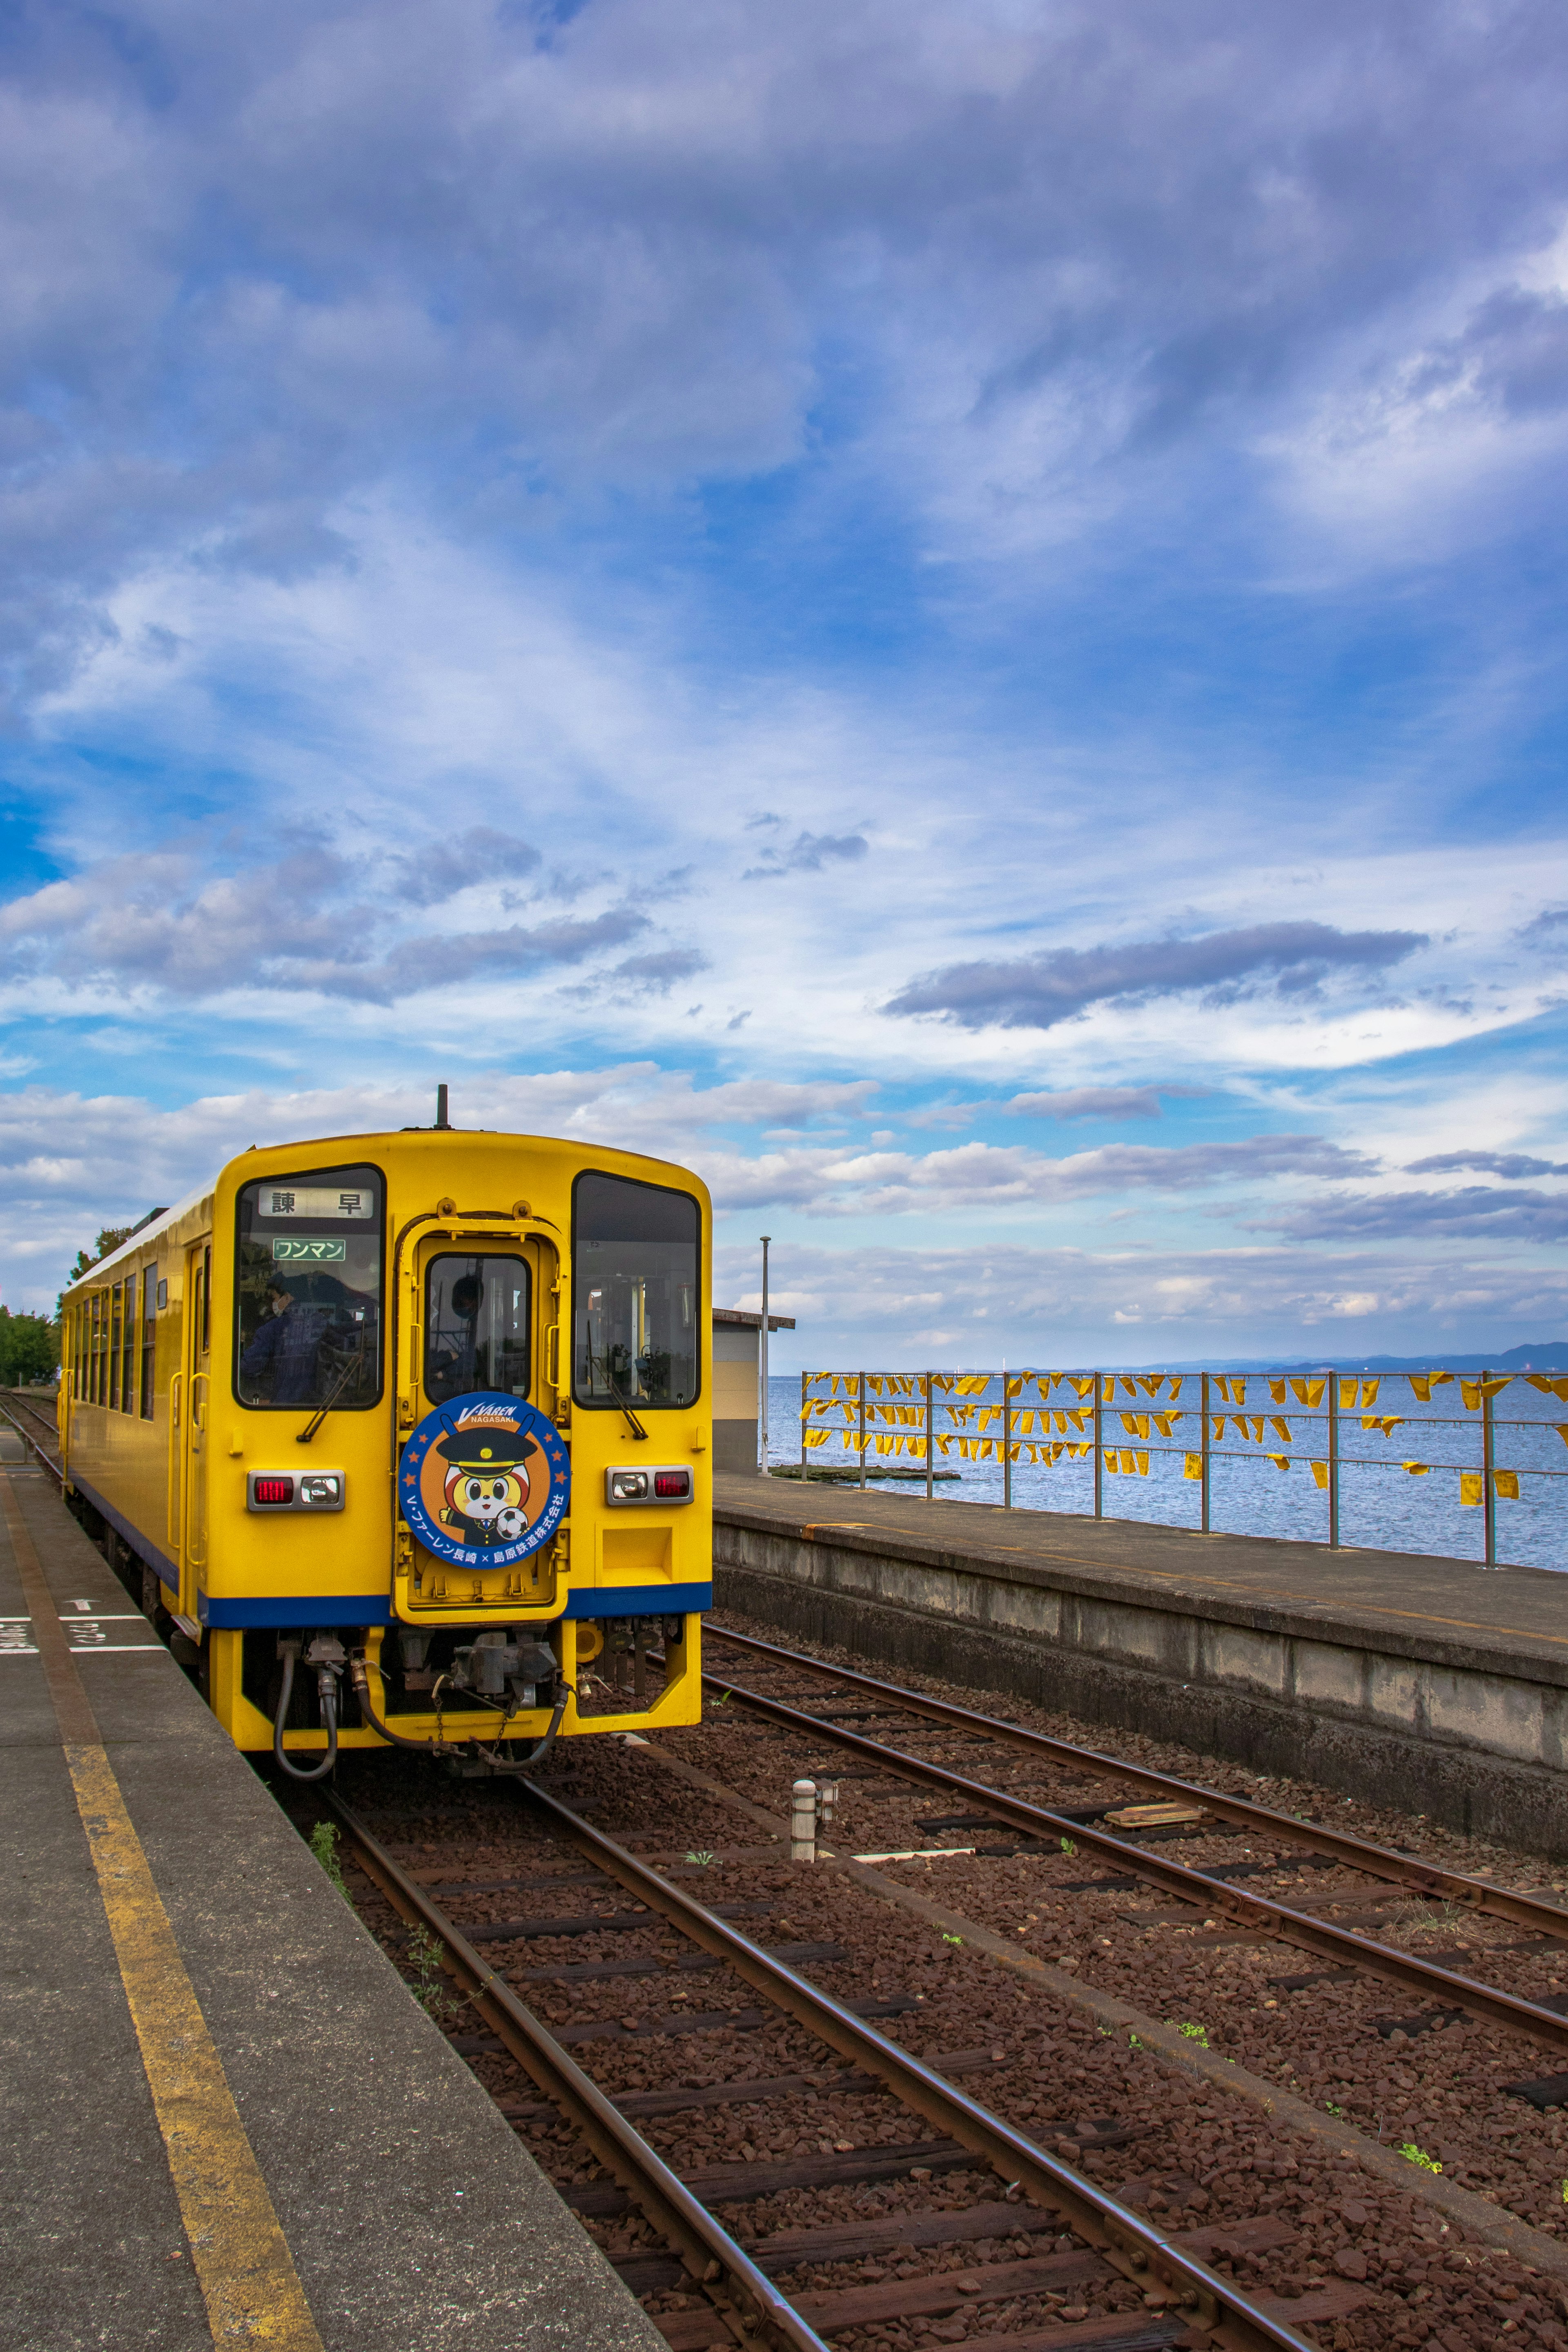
1219	1428
1548	1387
1320	1472
1193	1466
1386	1422
1237	1389
1176	1386
1369	1389
1151	1384
1280	1428
1562	1429
1421	1388
1162	1422
1471	1393
1280	1461
1505	1483
1472	1487
1347	1396
1256	1428
1277	1391
814	1437
1309	1393
1418	1469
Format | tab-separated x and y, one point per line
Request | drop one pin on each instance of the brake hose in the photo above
358	1671
536	1756
327	1688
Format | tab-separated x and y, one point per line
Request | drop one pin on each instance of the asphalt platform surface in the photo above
1451	1611
415	2218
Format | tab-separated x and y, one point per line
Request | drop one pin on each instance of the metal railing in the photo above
1118	1421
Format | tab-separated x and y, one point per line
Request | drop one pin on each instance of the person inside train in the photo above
288	1343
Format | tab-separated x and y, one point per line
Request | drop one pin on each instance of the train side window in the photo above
129	1351
114	1347
636	1261
149	1336
96	1365
307	1285
206	1298
477	1319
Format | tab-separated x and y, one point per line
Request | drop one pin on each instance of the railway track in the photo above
1095	2249
34	1428
1213	1890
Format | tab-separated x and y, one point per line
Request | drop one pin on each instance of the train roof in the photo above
157	1222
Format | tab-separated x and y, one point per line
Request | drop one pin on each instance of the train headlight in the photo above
289	1490
627	1489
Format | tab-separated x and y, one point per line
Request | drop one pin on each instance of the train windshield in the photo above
308	1290
634	1276
475	1326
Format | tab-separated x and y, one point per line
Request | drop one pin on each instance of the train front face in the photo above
454	1485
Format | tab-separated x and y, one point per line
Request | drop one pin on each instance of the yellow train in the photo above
414	1432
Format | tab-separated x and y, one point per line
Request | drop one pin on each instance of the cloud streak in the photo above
1293	958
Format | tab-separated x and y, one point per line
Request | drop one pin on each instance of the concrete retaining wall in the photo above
1475	1739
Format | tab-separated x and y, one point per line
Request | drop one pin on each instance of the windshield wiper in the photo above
354	1364
633	1423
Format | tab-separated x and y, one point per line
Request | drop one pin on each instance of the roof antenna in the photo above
441	1117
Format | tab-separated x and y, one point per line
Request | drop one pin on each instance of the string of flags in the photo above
1054	1429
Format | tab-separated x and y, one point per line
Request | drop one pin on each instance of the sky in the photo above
953	616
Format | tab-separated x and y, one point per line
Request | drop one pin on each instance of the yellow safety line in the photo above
242	2260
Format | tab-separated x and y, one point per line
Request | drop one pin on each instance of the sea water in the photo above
1383	1506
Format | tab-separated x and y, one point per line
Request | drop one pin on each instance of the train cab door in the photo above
478	1305
193	1416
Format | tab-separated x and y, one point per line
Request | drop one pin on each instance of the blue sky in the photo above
952	615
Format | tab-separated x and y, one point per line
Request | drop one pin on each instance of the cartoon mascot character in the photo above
486	1483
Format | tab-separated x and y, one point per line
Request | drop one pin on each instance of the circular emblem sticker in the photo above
484	1480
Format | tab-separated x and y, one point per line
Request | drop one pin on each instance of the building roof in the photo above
739	1318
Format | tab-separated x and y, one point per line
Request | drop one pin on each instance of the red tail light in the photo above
672	1485
274	1490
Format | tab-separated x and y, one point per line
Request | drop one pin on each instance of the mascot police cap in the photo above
484	1444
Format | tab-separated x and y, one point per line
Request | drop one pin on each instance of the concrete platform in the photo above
1431	1682
413	2215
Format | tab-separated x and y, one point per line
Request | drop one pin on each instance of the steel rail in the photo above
1132	2246
1378	1861
705	2247
55	1469
1193	1884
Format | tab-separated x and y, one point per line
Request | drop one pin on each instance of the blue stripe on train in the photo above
293	1609
375	1608
142	1546
639	1601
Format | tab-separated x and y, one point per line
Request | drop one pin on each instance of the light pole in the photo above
762	1367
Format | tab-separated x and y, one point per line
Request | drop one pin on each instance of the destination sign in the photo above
313	1201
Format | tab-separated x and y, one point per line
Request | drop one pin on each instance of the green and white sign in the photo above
303	1252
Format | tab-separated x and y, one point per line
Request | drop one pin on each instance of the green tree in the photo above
109	1240
29	1348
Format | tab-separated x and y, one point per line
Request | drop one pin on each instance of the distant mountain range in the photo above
1535	1356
